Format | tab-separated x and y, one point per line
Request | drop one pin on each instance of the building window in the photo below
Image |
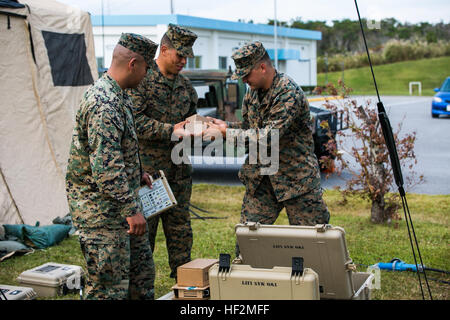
223	63
194	63
100	63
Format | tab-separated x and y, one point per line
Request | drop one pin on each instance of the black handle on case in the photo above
297	266
224	262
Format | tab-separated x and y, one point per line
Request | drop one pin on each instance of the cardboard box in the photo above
195	273
196	124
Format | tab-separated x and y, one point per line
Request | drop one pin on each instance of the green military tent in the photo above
47	61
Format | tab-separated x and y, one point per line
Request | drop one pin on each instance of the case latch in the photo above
253	225
323	227
350	266
297	266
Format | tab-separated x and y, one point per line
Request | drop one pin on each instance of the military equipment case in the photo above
323	248
242	282
51	279
16	293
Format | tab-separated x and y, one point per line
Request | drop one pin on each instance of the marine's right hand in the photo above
218	122
179	130
138	224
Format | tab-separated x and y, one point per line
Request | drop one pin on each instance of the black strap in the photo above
12	14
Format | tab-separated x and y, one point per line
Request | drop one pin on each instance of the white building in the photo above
217	39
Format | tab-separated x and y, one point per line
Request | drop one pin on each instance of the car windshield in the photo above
446	86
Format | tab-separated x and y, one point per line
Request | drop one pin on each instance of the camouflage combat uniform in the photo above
159	104
296	184
103	176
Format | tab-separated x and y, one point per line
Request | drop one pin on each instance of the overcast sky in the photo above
260	11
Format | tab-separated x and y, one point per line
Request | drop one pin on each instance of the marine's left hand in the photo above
147	179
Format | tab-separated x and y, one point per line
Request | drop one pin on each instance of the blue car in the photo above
441	100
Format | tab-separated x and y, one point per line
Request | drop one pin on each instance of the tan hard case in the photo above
17	293
50	279
242	282
323	248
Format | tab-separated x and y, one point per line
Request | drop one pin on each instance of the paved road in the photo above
432	147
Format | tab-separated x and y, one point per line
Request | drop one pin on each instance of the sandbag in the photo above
9	246
41	237
14	232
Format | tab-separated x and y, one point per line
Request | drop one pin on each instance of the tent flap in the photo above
67	55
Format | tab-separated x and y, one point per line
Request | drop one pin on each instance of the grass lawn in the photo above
394	78
367	243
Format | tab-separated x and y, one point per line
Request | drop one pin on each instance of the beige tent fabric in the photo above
7	204
36	117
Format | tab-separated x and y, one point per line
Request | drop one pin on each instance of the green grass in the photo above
393	79
367	243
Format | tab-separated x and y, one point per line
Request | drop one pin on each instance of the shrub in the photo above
393	51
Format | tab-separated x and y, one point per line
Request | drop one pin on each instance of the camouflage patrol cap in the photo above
140	45
182	40
246	57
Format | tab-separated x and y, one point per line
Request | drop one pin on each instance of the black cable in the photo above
367	50
412	247
390	143
418	250
3	294
200	209
439	280
437	270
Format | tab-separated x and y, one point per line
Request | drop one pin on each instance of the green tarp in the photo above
41	237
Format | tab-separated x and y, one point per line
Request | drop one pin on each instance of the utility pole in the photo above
171	6
103	37
275	33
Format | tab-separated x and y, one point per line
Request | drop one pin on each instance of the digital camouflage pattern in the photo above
263	207
160	103
103	172
182	40
176	224
246	57
140	45
283	107
102	179
119	266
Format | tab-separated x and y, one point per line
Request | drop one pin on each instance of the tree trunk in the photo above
377	212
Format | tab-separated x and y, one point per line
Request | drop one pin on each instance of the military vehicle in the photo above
220	97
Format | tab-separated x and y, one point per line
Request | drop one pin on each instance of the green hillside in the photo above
393	79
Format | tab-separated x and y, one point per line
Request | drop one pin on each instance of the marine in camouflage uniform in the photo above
160	103
296	184
103	176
